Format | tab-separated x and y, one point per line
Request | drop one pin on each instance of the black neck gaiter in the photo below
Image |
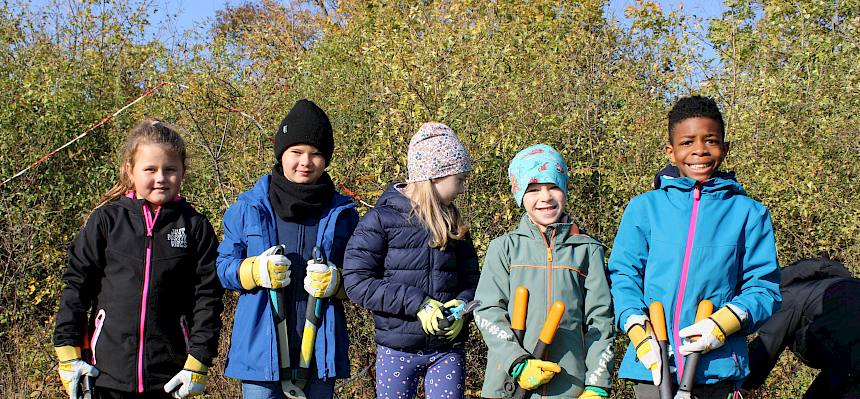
298	201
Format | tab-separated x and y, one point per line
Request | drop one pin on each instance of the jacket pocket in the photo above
183	324
99	322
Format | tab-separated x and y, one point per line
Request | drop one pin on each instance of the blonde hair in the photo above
444	222
147	131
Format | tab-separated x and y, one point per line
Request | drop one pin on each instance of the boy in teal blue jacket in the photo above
696	237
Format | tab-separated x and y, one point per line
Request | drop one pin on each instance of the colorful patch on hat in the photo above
532	164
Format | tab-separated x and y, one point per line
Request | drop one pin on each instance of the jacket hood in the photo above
713	185
672	171
135	204
392	197
260	191
812	269
568	232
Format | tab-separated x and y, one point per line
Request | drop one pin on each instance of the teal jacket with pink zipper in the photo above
686	242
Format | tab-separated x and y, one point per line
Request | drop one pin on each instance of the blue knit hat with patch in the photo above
539	163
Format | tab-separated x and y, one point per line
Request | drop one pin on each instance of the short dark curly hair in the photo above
695	107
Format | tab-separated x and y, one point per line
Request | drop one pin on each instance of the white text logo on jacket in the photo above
177	238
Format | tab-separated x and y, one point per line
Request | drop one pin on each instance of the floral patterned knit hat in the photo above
435	151
539	163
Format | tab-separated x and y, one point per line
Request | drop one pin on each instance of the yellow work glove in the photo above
456	326
190	381
639	331
429	314
72	368
593	393
711	332
270	269
322	279
532	373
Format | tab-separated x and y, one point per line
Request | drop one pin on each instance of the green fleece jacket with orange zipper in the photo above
562	264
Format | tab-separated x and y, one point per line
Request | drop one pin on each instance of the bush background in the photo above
503	75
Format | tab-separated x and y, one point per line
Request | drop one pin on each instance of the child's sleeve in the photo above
467	265
773	337
627	264
759	293
346	223
598	327
233	248
363	268
492	316
206	317
80	282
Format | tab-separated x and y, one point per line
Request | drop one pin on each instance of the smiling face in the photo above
697	147
303	164
156	173
544	203
449	187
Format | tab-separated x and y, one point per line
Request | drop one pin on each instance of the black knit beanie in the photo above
305	124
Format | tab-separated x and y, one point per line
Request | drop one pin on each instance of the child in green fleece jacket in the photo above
550	256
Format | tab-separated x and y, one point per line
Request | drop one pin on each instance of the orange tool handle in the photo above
658	321
521	302
547	333
705	309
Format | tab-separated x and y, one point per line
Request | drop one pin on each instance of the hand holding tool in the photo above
658	322
689	377
547	333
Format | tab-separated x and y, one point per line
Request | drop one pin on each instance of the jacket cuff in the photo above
517	361
727	320
340	293
66	353
192	364
246	273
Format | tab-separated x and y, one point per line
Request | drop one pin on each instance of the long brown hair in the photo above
147	131
444	222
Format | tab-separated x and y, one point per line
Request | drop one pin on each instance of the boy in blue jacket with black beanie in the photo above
269	238
696	237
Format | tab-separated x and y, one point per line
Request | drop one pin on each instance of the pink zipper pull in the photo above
697	191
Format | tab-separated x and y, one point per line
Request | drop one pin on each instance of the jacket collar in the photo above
393	198
259	194
135	205
563	232
716	185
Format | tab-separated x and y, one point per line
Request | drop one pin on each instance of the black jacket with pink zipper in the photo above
149	299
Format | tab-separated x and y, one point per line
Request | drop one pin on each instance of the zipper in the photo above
544	392
682	283
150	223
99	322
548	269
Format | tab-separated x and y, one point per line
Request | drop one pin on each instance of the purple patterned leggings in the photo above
397	373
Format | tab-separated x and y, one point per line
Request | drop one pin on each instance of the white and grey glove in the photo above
72	368
270	269
190	381
322	279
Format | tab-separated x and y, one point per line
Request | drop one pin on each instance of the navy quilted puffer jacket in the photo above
389	268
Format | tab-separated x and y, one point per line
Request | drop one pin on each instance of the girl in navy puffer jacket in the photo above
409	261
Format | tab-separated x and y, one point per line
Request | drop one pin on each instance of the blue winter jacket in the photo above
251	227
731	259
389	268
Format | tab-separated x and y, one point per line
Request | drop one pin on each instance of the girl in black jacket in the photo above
140	309
410	261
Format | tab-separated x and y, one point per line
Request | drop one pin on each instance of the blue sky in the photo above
183	14
170	18
180	15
